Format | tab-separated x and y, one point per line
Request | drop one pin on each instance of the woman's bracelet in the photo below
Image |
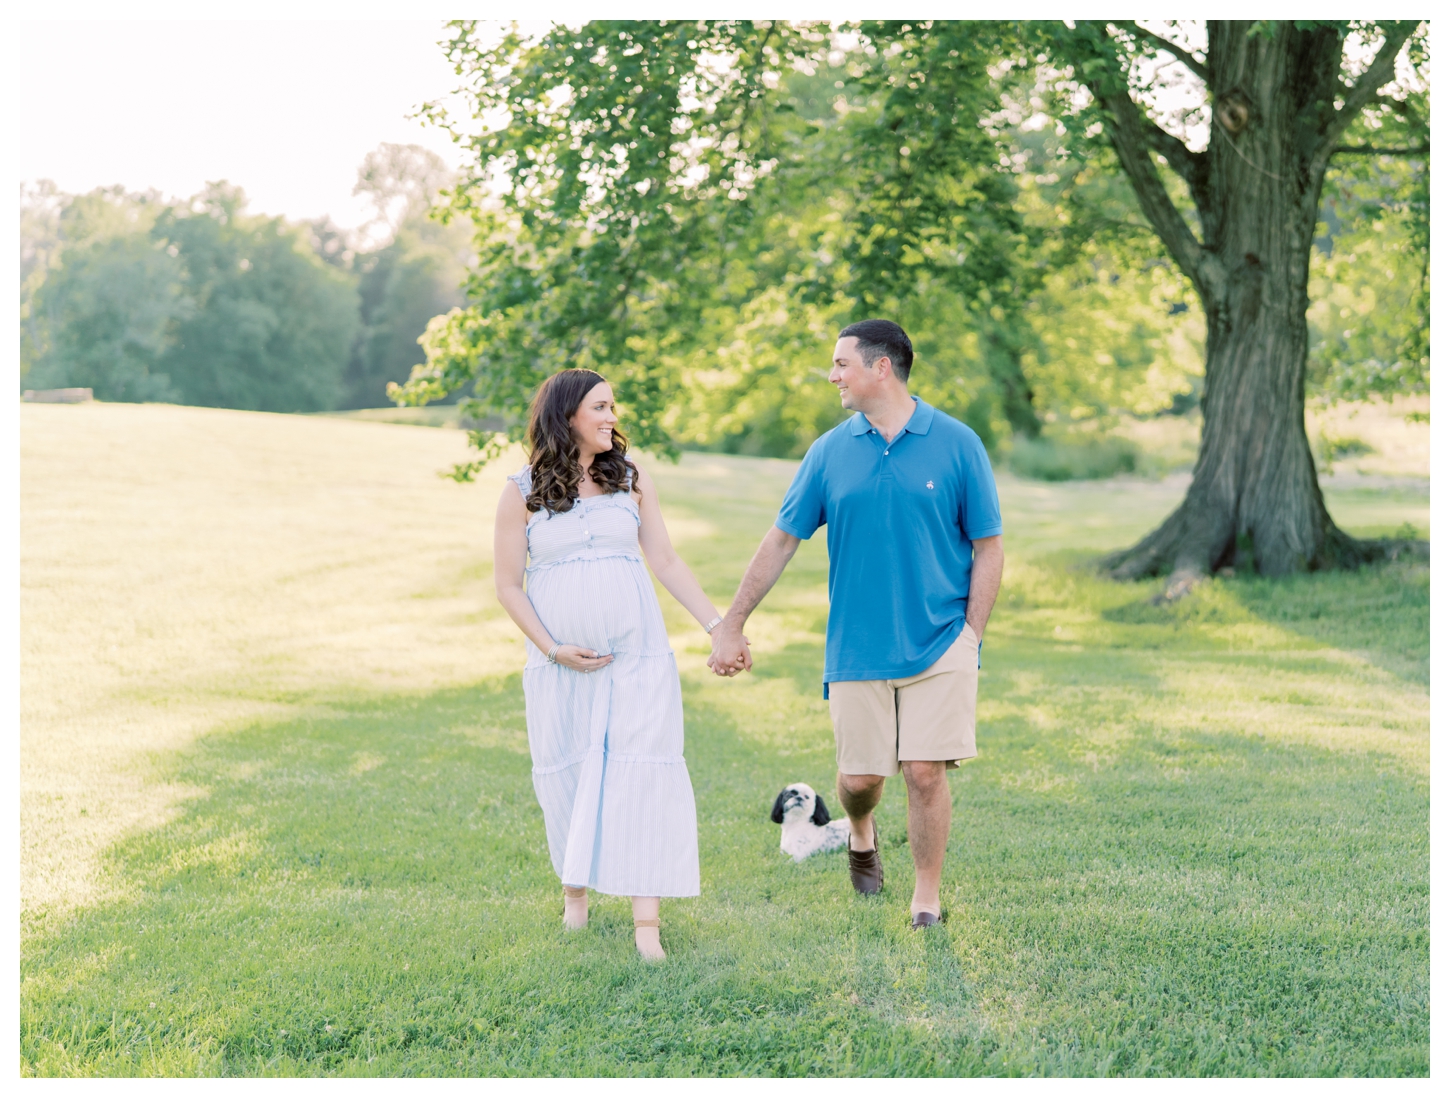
714	622
553	652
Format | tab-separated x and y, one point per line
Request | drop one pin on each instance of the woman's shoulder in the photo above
524	478
636	484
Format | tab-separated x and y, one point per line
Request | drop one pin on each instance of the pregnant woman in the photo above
602	694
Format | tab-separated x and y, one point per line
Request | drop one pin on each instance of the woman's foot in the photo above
647	939
576	908
647	927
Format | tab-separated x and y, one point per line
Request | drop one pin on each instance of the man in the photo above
914	536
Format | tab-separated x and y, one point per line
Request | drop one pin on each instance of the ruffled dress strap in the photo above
631	485
524	481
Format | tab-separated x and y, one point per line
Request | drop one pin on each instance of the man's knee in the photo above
859	785
924	777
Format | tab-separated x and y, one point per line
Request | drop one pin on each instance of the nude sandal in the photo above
640	924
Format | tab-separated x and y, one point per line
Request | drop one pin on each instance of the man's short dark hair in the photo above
882	339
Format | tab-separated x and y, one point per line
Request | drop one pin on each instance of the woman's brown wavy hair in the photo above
554	453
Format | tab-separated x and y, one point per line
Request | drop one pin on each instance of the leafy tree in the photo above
1369	281
1281	100
105	297
931	206
401	287
272	324
417	275
194	302
639	161
41	205
1112	324
1113	336
403	183
656	180
617	173
1093	321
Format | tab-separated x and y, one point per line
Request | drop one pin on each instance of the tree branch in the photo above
1193	64
1380	72
1126	129
1400	106
1376	150
1191	166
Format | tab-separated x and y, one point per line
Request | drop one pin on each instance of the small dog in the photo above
806	824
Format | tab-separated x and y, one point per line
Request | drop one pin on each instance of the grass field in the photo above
277	814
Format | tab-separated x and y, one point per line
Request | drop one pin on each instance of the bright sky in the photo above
286	110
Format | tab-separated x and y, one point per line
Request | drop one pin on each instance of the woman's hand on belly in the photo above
576	658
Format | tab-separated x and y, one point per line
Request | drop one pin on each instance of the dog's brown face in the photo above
799	800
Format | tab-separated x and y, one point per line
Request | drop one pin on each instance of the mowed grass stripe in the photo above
1195	842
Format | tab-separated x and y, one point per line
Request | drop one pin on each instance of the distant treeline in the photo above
196	301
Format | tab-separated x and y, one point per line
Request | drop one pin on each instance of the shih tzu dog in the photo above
806	824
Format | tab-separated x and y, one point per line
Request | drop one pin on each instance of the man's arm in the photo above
730	650
987	558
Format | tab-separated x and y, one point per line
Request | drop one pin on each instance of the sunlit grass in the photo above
1195	840
185	569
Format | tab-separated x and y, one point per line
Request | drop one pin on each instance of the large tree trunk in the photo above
1254	501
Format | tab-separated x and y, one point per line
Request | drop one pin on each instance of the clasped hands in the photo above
729	651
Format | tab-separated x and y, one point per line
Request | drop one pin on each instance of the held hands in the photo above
581	659
729	651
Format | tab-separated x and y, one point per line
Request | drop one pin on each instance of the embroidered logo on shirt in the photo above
930	484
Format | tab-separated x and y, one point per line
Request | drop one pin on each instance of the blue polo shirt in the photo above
900	521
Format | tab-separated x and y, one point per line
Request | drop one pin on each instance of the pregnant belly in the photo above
608	605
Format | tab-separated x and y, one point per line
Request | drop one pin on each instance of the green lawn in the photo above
1195	842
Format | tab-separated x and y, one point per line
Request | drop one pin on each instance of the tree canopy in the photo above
691	207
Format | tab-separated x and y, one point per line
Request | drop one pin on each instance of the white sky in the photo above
287	110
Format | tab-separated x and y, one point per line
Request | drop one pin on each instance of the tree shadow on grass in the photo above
1379	612
369	893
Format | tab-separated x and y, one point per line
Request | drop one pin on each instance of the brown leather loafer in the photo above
926	918
865	865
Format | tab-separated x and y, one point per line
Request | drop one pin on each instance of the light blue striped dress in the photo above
607	745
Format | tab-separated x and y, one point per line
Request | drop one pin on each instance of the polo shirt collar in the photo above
918	424
920	421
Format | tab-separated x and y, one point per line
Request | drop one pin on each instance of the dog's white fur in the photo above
796	810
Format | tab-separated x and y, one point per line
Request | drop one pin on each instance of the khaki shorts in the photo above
880	723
